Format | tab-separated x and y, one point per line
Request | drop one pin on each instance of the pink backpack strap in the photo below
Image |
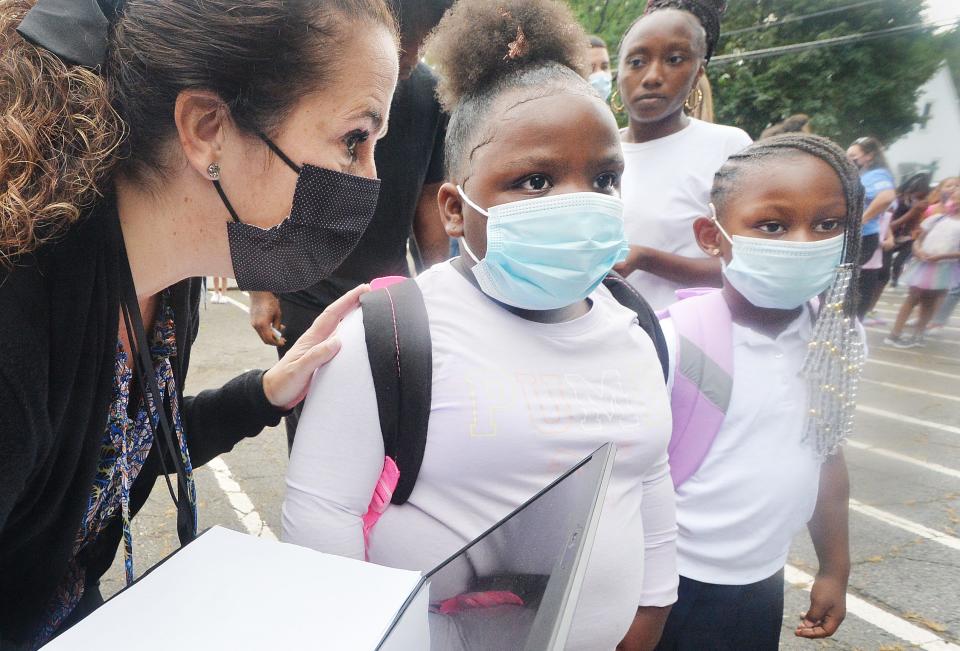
702	379
382	495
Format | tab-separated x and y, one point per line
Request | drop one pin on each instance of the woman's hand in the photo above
265	317
286	383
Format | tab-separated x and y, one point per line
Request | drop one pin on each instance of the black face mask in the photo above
330	213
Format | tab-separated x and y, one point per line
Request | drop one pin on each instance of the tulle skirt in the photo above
931	275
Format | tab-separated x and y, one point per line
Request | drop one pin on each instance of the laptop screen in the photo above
516	585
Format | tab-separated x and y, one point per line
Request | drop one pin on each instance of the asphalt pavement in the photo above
904	465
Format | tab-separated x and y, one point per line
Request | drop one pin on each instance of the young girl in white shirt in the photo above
535	364
763	386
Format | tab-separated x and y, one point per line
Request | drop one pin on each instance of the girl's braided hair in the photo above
834	360
707	12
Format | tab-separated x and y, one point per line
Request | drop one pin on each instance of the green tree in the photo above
863	88
608	19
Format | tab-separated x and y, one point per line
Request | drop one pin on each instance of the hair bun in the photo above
479	41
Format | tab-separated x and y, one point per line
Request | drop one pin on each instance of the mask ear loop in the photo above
713	217
463	240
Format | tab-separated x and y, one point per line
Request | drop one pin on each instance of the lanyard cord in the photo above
143	365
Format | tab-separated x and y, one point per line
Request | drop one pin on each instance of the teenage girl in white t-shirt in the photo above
787	213
670	158
534	363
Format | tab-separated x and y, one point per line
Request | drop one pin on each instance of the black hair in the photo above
872	147
760	154
707	12
919	182
418	17
484	48
596	41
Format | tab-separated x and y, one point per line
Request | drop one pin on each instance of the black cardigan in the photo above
59	317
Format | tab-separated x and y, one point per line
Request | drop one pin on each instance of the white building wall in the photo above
936	143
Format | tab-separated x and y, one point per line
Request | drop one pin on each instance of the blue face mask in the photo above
549	252
602	81
778	274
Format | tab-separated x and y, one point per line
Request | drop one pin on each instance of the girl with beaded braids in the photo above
763	381
670	157
534	362
144	145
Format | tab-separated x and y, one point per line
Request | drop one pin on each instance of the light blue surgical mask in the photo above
780	274
549	252
602	81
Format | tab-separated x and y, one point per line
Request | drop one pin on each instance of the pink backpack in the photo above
702	376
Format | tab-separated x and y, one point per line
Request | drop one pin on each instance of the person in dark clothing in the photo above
410	165
147	145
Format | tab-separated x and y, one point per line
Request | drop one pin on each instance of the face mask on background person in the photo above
780	274
549	252
330	213
602	81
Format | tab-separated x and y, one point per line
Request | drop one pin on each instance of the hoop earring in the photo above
697	95
615	102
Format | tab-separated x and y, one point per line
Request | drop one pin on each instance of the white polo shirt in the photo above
757	488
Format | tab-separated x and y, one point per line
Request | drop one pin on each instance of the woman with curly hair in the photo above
535	364
145	144
670	158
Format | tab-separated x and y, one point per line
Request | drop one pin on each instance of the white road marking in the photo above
890	454
907	367
927	356
236	303
896	626
909	420
240	501
909	526
901	387
931	340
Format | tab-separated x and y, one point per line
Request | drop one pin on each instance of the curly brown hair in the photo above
481	41
58	138
65	130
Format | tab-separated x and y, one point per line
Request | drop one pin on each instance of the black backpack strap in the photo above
397	333
628	296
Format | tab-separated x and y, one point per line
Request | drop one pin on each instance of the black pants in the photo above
297	320
710	617
868	246
869	281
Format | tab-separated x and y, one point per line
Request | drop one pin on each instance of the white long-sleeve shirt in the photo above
514	404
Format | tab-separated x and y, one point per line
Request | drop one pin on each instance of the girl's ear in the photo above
451	210
709	237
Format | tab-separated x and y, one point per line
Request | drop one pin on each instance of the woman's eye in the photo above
607	181
771	228
636	63
535	182
354	140
828	226
676	60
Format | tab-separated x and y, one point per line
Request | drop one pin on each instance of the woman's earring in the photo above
615	102
697	96
213	171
